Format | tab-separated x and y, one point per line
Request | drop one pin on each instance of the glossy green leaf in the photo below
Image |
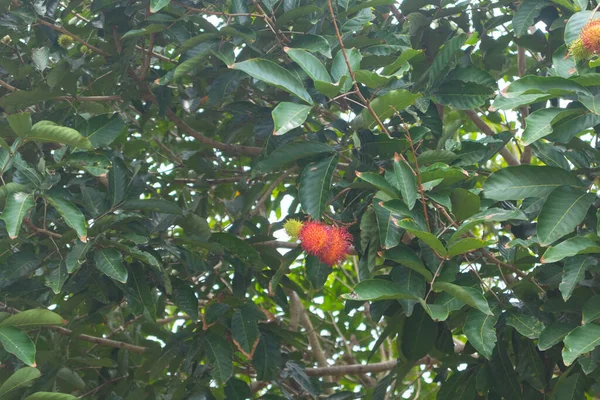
569	387
48	131
591	309
17	206
462	95
420	338
526	325
464	203
16	342
571	247
102	130
296	13
184	297
71	215
385	106
467	295
315	185
444	57
466	245
20	123
554	334
288	116
378	181
317	272
389	233
245	332
481	332
527	12
540	123
157	5
574	272
339	68
515	183
110	262
430	239
562	211
576	23
274	75
309	64
20	379
152	205
405	256
50	396
502	374
406	183
29	319
579	341
289	153
220	356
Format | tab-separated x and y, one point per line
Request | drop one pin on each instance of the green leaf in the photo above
567	128
117	181
288	116
102	130
357	23
466	245
267	357
526	325
409	282
570	387
197	55
10	188
570	247
184	297
504	379
330	89
315	185
220	356
41	58
48	131
554	334
110	261
244	330
23	98
20	123
76	256
462	95
516	183
309	64
539	124
378	181
420	338
152	205
289	153
339	68
430	239
489	215
562	212
317	272
50	396
312	43
445	56
57	278
526	14
274	75
530	366
157	5
467	295
405	256
574	273
579	341
591	309
152	28
460	386
402	59
480	331
296	13
385	106
464	203
71	214
17	206
20	379
378	289
29	319
18	343
389	233
406	183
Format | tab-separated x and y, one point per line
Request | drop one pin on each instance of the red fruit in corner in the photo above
314	237
590	36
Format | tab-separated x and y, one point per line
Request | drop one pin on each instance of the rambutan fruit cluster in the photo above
588	42
331	244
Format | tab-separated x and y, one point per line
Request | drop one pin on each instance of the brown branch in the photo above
146	64
485	128
89	98
94	390
41	231
267	195
99	341
229	149
397	13
74	37
522	66
7	86
353	369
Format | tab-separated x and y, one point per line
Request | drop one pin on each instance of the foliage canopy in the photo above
151	152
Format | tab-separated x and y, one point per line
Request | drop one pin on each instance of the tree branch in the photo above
353	369
522	67
485	128
74	37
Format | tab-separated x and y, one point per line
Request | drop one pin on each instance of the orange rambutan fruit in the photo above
314	236
590	36
337	246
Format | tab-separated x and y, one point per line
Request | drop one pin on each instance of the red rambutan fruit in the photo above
314	236
337	246
590	36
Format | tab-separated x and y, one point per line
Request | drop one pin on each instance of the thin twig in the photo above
508	156
74	37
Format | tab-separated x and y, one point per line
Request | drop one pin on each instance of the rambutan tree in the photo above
297	199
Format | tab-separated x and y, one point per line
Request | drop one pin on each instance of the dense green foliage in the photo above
151	151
